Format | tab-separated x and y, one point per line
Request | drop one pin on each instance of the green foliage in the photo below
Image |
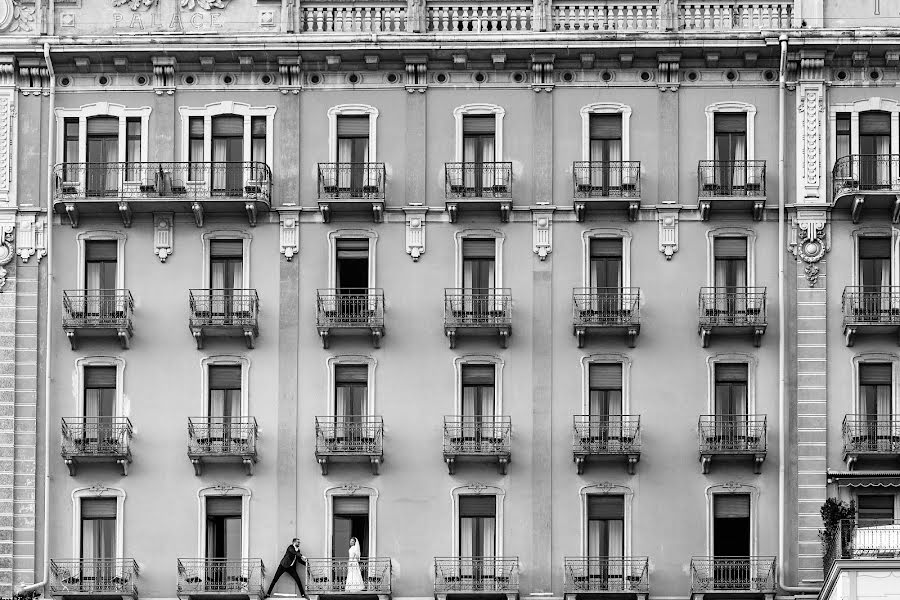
833	512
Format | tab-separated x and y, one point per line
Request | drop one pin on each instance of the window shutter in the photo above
98	508
731	372
351	373
478	374
875	122
224	506
225	377
353	126
258	126
606	247
842	123
875	506
479	247
730	247
731	506
479	124
730	122
195	127
875	247
477	505
605	376
605	506
605	127
353	248
99	377
226	248
351	505
875	374
96	250
103	126
228	126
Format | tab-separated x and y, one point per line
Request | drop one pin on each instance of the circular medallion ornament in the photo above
7	11
812	251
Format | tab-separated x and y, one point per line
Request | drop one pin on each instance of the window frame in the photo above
498	237
225	360
121	405
350	489
857	492
717	232
605	108
351	359
476	489
100	235
227	107
334	236
101	109
606	233
731	358
730	106
478	359
605	489
226	234
476	109
223	490
98	491
875	357
732	488
855	108
352	110
607	358
869	232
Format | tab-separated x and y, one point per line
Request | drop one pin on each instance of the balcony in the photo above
732	311
732	436
607	184
231	579
224	313
745	577
97	313
606	311
478	437
112	578
351	187
732	185
863	539
328	577
479	185
346	438
478	311
870	310
350	311
127	189
867	181
222	440
487	576
615	576
96	440
870	436
607	436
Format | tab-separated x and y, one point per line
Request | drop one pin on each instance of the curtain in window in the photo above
345	158
98	531
195	148
257	144
219	156
490	175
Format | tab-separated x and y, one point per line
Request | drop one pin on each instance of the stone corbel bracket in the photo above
290	72
667	72
542	69
163	235
31	237
416	74
668	231
542	230
164	75
290	234
415	230
810	240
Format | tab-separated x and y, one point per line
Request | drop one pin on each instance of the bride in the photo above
354	576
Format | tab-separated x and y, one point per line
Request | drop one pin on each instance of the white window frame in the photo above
607	233
605	108
100	235
855	108
102	109
609	358
605	489
869	232
357	110
498	237
478	359
479	109
227	107
731	232
732	488
477	490
351	359
334	236
224	490
350	489
731	358
226	234
214	361
98	491
875	357
122	405
731	106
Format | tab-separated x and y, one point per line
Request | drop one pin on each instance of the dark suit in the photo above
288	565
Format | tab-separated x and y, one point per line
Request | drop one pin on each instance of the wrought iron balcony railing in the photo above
477	434
586	575
478	179
224	310
329	575
227	577
730	573
871	434
732	306
729	178
97	309
94	577
474	307
607	179
607	434
350	308
350	181
346	435
487	574
96	436
222	436
732	434
606	307
866	173
871	305
862	538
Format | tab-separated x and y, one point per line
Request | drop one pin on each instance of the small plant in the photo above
833	512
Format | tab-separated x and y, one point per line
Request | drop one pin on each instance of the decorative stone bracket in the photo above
7	252
667	74
416	74
31	237
542	68
290	234
291	75
415	230
163	235
810	240
668	232
542	219
164	75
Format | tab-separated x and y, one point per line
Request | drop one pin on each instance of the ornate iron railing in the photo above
487	574
224	308
330	575
607	574
93	576
222	436
607	179
725	573
472	307
871	305
606	307
221	576
731	178
338	435
477	434
862	538
875	434
866	172
478	179
97	309
732	306
607	434
351	181
350	307
158	180
732	434
96	436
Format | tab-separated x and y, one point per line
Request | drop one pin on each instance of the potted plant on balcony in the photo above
833	512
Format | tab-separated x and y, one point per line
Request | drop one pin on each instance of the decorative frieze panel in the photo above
542	219
7	116
31	236
163	235
668	232
415	230
7	251
811	128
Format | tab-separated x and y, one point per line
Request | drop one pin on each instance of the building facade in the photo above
532	299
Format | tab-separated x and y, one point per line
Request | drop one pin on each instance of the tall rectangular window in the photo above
874	508
479	263
875	381
874	149
605	269
133	149
730	136
195	148
70	149
224	391
605	131
477	526
102	156
258	139
223	528
874	263
730	263
226	279
101	265
351	390
731	528
605	389
479	152
350	519
352	152
605	525
98	528
478	389
842	146
352	265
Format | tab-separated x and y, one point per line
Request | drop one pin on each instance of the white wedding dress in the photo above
354	575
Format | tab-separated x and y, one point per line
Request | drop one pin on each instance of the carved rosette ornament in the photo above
7	251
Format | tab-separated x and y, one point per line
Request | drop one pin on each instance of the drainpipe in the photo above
782	334
51	132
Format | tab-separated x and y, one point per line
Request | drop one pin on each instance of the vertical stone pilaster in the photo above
667	140
7	429
416	169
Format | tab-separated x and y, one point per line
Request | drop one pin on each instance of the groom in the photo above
288	565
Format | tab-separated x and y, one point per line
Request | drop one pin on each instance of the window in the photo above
100	405
605	147
731	527
605	269
224	408
102	156
730	263
605	390
352	265
479	152
352	152
351	391
258	139
195	148
226	278
100	265
605	525
477	526
874	508
731	404
875	399
350	518
227	154
874	263
479	264
133	149
224	529
70	149
874	149
478	398
98	529
842	135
